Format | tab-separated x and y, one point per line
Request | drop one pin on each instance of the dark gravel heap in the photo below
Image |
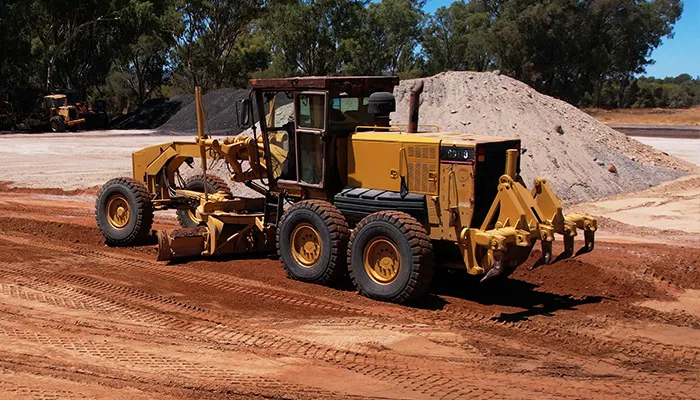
153	113
219	109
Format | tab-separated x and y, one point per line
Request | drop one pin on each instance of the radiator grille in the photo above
422	163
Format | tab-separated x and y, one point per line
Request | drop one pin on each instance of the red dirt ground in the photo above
82	320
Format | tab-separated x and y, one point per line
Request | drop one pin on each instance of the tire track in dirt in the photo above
434	384
69	298
120	357
15	391
234	332
256	340
455	321
427	382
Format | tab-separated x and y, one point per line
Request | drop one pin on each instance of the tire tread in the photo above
339	237
143	212
422	264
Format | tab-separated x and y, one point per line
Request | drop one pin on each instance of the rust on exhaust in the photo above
413	107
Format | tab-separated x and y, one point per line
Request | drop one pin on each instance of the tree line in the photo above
587	52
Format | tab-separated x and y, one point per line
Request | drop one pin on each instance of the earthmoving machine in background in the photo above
56	114
342	190
94	112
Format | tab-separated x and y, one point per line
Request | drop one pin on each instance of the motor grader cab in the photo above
60	114
343	191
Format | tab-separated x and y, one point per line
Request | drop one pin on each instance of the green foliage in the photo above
680	92
588	52
306	36
459	37
16	55
209	50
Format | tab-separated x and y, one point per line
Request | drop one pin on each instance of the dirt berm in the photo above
563	144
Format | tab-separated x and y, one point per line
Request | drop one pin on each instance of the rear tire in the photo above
312	241
390	257
124	212
187	218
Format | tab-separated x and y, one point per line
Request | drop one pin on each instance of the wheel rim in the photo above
382	260
306	245
118	211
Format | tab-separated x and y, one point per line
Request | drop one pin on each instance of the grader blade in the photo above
185	242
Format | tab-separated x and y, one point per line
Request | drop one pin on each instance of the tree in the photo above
18	83
154	26
306	36
458	38
401	21
206	53
77	40
569	47
627	32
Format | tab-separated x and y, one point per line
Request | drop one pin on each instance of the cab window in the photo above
310	158
311	111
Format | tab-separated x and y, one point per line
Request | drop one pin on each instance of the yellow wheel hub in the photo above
382	260
306	245
118	211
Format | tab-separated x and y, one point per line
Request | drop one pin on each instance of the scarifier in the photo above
343	190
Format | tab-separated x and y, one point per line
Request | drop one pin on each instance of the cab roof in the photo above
352	85
55	96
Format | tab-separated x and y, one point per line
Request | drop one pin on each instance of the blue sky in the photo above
674	57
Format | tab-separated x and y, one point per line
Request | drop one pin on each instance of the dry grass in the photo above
653	116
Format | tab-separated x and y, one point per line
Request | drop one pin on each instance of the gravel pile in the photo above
582	158
153	113
220	112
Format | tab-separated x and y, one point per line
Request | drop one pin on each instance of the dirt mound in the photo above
152	113
562	143
220	111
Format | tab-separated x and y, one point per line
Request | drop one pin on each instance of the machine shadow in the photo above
507	292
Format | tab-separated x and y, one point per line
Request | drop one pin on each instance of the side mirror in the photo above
243	108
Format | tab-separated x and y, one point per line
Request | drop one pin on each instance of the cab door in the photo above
311	116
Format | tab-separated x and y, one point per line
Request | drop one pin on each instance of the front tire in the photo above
57	124
188	218
124	212
390	257
312	242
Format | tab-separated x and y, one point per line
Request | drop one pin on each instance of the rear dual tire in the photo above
390	257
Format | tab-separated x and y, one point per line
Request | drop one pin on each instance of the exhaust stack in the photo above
413	107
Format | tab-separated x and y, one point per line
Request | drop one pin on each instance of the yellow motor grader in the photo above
56	114
343	191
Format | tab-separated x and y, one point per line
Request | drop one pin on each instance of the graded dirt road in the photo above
82	320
